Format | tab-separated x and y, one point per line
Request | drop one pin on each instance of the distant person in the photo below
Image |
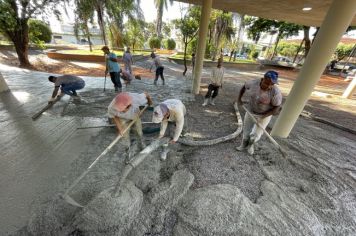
332	64
113	67
69	84
193	61
124	108
128	62
128	77
216	81
159	68
169	111
265	100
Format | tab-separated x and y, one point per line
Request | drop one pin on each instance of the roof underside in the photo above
284	10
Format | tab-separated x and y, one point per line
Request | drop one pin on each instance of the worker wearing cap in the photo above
112	67
69	84
124	108
265	100
171	110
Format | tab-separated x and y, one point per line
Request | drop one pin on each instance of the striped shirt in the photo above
217	76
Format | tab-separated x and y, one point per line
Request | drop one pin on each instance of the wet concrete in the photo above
310	193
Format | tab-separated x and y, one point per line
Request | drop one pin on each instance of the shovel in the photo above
284	154
70	200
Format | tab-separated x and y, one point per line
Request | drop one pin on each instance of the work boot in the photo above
251	144
163	83
243	145
155	82
116	89
212	101
205	102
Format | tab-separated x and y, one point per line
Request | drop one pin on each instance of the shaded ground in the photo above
312	192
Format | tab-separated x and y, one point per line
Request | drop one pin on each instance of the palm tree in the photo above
160	4
83	15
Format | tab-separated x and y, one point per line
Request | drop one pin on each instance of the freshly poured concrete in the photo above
212	190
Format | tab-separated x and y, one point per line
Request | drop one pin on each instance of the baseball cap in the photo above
159	112
122	101
273	75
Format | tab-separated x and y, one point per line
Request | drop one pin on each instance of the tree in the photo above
154	42
188	26
14	16
160	5
221	25
343	50
39	32
170	44
83	15
134	36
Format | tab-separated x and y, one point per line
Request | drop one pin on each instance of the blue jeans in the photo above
70	89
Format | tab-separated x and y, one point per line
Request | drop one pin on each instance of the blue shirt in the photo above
113	66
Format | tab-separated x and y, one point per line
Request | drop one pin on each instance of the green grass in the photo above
226	59
98	52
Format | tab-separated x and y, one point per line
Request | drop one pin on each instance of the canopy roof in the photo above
284	10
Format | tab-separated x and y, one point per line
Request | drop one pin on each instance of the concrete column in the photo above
203	30
3	85
333	27
350	89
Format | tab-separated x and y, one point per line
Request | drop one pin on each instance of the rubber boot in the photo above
163	82
206	100
212	101
243	145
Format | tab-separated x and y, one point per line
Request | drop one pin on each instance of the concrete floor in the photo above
36	156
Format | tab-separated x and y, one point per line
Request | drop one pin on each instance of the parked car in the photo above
282	59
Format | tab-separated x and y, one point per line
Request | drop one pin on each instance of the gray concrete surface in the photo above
224	192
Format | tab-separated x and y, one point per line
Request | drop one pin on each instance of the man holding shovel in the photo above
112	67
265	100
124	108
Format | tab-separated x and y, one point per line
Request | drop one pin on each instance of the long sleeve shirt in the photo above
217	76
177	111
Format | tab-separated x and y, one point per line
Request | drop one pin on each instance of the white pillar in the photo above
203	30
3	85
350	89
333	27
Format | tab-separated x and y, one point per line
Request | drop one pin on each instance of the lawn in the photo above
226	59
98	52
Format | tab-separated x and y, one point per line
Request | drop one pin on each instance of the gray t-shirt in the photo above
261	101
127	57
67	79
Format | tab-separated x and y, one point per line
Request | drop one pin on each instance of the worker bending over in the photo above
69	84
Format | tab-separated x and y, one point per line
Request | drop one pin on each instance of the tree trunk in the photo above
275	47
159	21
20	39
100	12
300	47
306	40
185	55
88	36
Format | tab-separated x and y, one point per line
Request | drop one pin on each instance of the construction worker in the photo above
69	84
128	62
124	108
265	100
171	110
216	80
128	77
112	67
159	68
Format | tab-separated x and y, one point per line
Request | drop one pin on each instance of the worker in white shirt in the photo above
216	81
171	110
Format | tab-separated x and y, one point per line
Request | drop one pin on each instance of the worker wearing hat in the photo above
171	110
124	108
265	100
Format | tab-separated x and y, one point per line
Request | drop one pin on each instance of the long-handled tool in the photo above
48	106
284	154
66	196
104	82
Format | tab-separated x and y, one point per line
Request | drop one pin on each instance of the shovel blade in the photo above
71	201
